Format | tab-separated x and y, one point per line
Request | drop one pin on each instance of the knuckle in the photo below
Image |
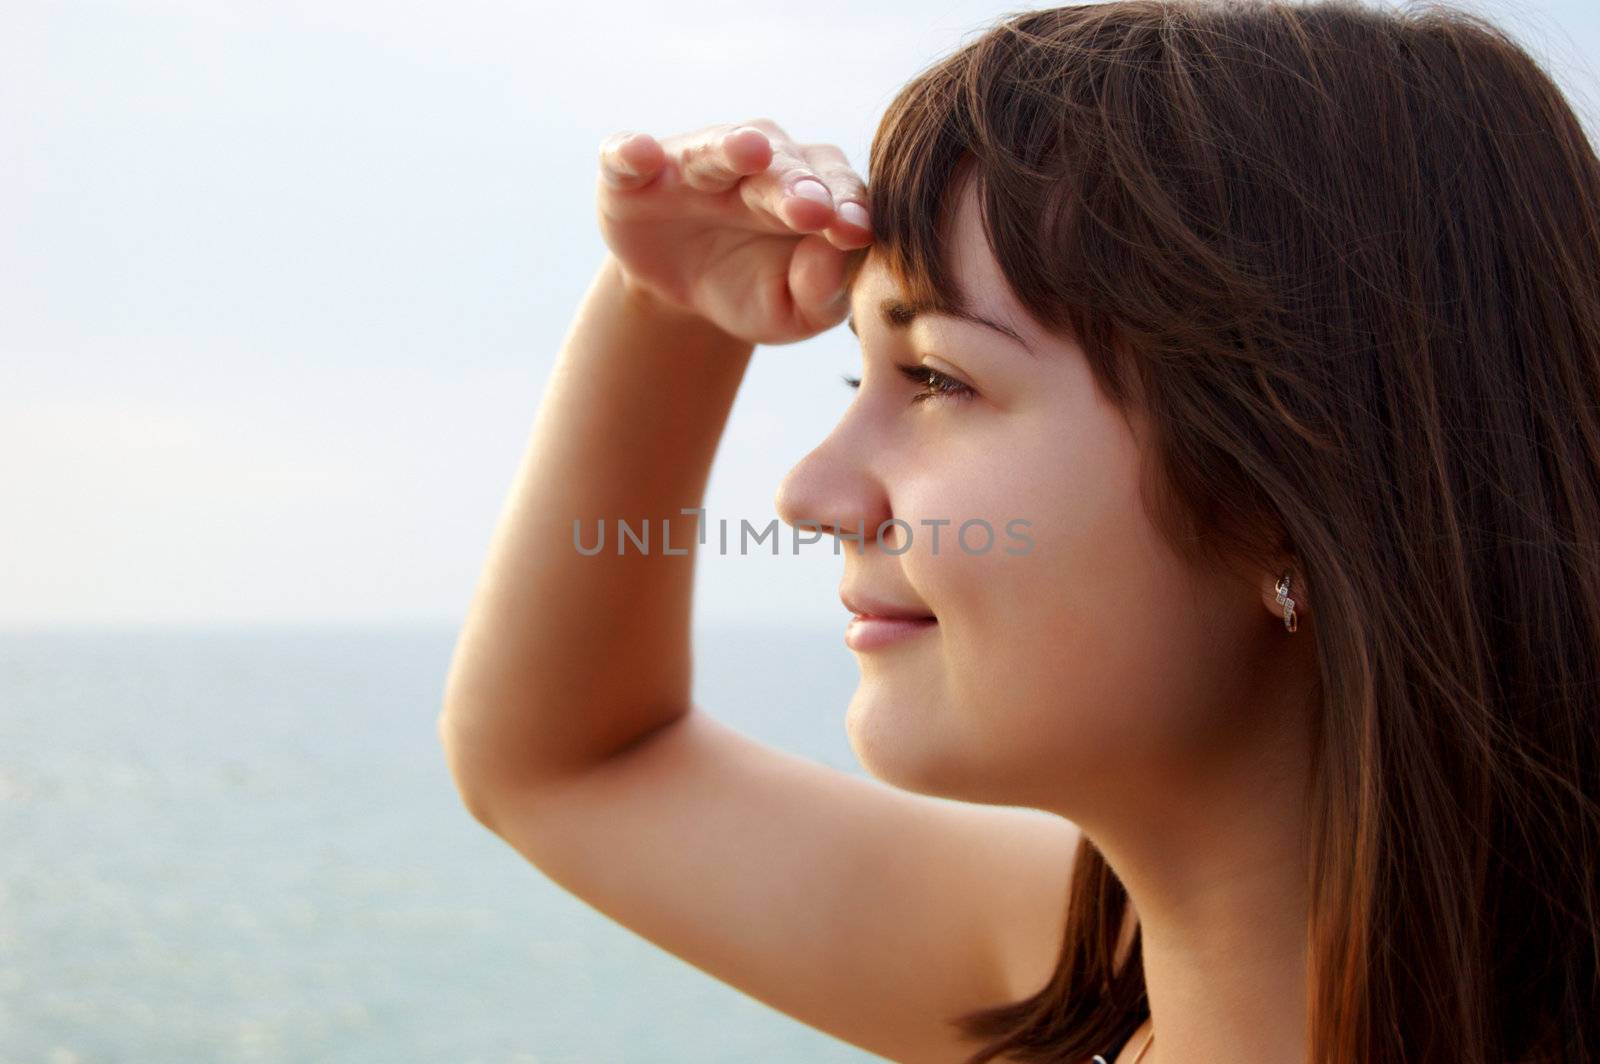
787	175
841	175
728	134
776	133
832	153
701	167
711	138
611	151
691	150
848	190
839	171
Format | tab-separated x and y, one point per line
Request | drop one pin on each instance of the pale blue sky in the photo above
281	282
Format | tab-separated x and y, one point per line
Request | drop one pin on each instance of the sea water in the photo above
243	844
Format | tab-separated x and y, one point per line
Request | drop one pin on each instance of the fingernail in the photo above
855	214
621	164
812	190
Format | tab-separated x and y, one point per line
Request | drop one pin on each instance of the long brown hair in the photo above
1347	260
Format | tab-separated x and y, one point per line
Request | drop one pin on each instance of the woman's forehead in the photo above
978	288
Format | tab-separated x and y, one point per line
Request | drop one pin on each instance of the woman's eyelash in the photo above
935	385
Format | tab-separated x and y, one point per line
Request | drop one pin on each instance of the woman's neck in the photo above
1217	875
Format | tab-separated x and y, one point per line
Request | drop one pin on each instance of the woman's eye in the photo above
935	385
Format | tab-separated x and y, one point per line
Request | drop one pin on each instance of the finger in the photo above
790	189
819	275
851	227
630	160
718	157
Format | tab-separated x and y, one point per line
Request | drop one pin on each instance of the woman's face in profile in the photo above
1073	651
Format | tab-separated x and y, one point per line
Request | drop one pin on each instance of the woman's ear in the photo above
1284	588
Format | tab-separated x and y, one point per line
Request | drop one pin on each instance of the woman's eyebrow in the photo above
898	315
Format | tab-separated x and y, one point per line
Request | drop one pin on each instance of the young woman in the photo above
1279	325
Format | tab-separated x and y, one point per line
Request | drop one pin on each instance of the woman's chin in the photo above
904	737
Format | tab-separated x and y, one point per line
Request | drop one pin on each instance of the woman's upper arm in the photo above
868	912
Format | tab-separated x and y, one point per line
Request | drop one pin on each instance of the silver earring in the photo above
1287	603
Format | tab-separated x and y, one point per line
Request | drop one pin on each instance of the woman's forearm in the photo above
567	657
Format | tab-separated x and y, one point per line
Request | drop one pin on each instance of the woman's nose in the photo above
831	490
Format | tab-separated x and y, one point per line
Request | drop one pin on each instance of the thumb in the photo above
819	280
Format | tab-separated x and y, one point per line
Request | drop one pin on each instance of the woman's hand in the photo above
718	222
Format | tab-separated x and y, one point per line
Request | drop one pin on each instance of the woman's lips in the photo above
866	632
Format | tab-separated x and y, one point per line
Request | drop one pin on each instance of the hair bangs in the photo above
1012	114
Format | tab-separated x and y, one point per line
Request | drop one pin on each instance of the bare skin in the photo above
1095	682
1163	710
